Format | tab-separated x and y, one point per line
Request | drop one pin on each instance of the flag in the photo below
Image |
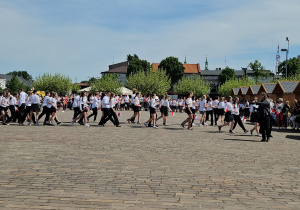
277	112
195	117
272	110
173	114
226	110
115	102
119	114
243	119
98	108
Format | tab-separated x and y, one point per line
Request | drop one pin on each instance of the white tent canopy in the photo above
87	89
125	91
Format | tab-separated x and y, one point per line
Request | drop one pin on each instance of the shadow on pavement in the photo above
292	137
258	141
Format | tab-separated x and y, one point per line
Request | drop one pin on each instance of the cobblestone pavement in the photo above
134	167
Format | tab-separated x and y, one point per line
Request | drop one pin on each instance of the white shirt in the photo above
112	103
202	105
34	99
229	106
132	98
22	98
54	102
105	102
209	104
5	102
126	99
136	101
215	103
46	101
189	102
28	102
193	104
76	101
221	105
13	101
153	103
167	104
236	110
95	102
49	105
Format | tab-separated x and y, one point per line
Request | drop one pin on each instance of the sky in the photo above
81	38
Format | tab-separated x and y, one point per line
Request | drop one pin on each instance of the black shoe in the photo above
268	139
219	127
246	131
58	122
101	124
118	126
271	136
263	140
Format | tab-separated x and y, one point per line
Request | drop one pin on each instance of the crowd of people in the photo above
218	111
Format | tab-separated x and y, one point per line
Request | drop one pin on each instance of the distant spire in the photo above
206	64
185	60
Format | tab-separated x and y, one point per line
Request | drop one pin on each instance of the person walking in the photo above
264	117
189	112
153	105
236	116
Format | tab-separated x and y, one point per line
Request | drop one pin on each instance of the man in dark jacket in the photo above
264	116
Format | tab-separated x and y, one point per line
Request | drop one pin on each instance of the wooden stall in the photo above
297	92
285	90
267	88
234	92
242	93
252	91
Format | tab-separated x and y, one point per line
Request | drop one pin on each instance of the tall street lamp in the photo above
285	50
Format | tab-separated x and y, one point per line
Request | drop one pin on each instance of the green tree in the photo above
258	70
196	84
75	88
14	84
135	64
295	77
225	89
293	67
56	83
174	68
107	83
226	74
149	81
23	74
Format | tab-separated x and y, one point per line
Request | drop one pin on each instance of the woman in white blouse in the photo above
153	105
188	110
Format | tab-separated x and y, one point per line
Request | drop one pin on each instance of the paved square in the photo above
134	167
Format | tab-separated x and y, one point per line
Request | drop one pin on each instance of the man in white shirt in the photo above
22	101
106	109
76	106
45	108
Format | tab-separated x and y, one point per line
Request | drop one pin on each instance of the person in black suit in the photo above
264	117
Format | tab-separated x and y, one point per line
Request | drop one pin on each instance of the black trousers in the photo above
95	113
265	127
13	116
115	118
107	115
211	113
46	112
194	112
21	115
237	120
76	112
216	115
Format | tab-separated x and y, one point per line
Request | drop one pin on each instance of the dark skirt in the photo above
35	107
165	111
152	110
228	117
254	117
221	112
188	111
53	109
136	108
